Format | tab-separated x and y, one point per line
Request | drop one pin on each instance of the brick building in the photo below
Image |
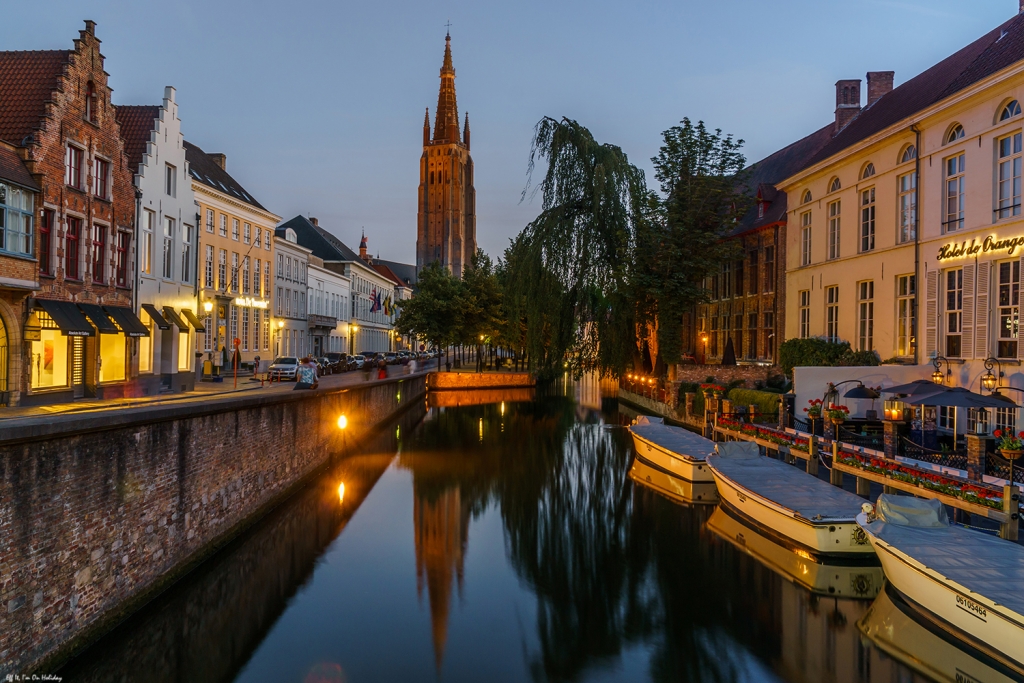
55	108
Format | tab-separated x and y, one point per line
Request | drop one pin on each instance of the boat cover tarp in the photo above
677	440
804	494
738	449
984	564
927	513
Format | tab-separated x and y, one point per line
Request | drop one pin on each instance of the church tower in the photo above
446	223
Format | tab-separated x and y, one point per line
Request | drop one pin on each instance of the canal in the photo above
507	541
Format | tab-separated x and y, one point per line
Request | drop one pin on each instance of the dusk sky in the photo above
319	105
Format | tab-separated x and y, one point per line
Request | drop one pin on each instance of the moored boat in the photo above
857	580
966	582
780	500
677	489
673	450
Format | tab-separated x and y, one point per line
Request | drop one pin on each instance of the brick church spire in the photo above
446	120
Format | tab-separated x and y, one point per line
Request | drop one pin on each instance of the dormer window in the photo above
955	133
1011	109
869	171
834	185
90	102
760	209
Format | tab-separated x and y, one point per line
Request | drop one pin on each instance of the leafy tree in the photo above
819	352
568	270
437	312
702	198
484	316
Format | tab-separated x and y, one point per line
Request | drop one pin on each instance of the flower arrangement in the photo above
1008	441
712	389
813	408
837	413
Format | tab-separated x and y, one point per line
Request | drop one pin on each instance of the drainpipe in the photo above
135	276
917	245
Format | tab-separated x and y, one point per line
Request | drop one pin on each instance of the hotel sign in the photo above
966	249
249	302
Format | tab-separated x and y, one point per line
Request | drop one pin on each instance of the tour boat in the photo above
796	508
675	488
796	565
897	630
964	581
674	451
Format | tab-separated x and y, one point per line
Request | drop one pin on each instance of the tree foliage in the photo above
819	352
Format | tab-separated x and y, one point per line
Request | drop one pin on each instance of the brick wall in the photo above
481	380
725	374
96	514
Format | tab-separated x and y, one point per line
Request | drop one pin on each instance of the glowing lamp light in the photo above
341	492
502	407
937	377
893	410
207	306
989	381
342	422
280	324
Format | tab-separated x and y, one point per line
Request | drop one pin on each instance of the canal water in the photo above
508	542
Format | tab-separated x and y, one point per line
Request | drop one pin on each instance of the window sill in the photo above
21	256
105	200
79	190
48	390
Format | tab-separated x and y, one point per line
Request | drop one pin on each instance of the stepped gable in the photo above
137	123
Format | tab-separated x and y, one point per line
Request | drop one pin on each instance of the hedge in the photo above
767	403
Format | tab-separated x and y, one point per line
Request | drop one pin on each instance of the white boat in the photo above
858	581
798	509
675	451
677	489
900	633
967	582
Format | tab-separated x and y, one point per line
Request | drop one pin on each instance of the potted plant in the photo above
837	414
813	409
1011	447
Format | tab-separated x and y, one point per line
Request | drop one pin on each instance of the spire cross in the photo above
448	27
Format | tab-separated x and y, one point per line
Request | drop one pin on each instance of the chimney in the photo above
847	102
314	221
90	26
880	83
220	159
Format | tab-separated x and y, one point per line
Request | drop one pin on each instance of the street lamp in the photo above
937	376
990	381
208	306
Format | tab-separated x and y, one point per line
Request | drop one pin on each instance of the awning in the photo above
155	315
69	319
98	317
173	317
191	317
127	321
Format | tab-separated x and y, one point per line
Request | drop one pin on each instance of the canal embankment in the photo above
440	381
100	512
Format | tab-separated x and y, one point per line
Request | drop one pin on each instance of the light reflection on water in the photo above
496	542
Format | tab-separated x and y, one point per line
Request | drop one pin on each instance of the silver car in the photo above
284	367
360	361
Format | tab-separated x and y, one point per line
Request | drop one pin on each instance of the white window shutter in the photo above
981	310
1020	346
967	320
931	314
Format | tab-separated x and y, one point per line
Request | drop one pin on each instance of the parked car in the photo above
391	357
284	368
337	361
360	361
324	366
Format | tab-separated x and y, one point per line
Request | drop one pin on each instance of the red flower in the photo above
998	433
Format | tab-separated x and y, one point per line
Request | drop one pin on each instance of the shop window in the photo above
49	355
112	357
146	344
184	350
1009	308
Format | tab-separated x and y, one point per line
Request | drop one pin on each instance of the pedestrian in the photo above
256	360
382	367
305	375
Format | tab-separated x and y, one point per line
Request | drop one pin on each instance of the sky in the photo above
318	104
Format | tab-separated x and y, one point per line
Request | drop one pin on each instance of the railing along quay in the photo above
998	503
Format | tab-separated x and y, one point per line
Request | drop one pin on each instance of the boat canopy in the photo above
675	439
908	511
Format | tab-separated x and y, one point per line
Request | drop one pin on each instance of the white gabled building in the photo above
289	295
167	245
328	300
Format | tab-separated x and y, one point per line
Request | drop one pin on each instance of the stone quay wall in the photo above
481	380
99	513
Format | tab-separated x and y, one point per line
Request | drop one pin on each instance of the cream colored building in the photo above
236	253
906	236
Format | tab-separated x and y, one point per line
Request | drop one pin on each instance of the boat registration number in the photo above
972	608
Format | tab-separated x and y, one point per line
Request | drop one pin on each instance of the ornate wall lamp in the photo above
937	376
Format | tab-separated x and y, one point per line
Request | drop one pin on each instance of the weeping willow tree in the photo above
568	272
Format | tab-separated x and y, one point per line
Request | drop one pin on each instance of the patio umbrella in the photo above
919	387
958	397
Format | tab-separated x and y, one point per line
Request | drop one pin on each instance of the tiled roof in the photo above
206	171
406	272
13	170
760	178
323	244
989	54
137	122
388	273
27	82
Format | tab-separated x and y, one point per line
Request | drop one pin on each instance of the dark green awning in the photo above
173	317
191	317
127	321
67	316
98	317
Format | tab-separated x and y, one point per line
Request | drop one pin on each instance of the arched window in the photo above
955	133
834	185
807	197
909	154
1011	109
90	101
869	171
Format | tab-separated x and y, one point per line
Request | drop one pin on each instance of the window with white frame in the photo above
186	253
953	311
170	180
234	229
223	225
1008	176
16	213
222	270
209	266
834	211
866	315
101	178
805	238
832	313
209	221
906	315
907	186
805	313
245	275
867	219
977	420
234	272
947	417
257	277
266	278
1009	308
168	260
954	194
259	238
1006	419
246	233
73	159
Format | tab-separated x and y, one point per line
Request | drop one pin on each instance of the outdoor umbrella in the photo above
919	387
958	397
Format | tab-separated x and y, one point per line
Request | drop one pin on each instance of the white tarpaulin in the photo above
910	511
677	440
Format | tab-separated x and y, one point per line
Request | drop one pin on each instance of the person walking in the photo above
382	367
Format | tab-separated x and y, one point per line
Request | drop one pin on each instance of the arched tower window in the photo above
834	185
90	101
909	154
1011	109
955	133
869	170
